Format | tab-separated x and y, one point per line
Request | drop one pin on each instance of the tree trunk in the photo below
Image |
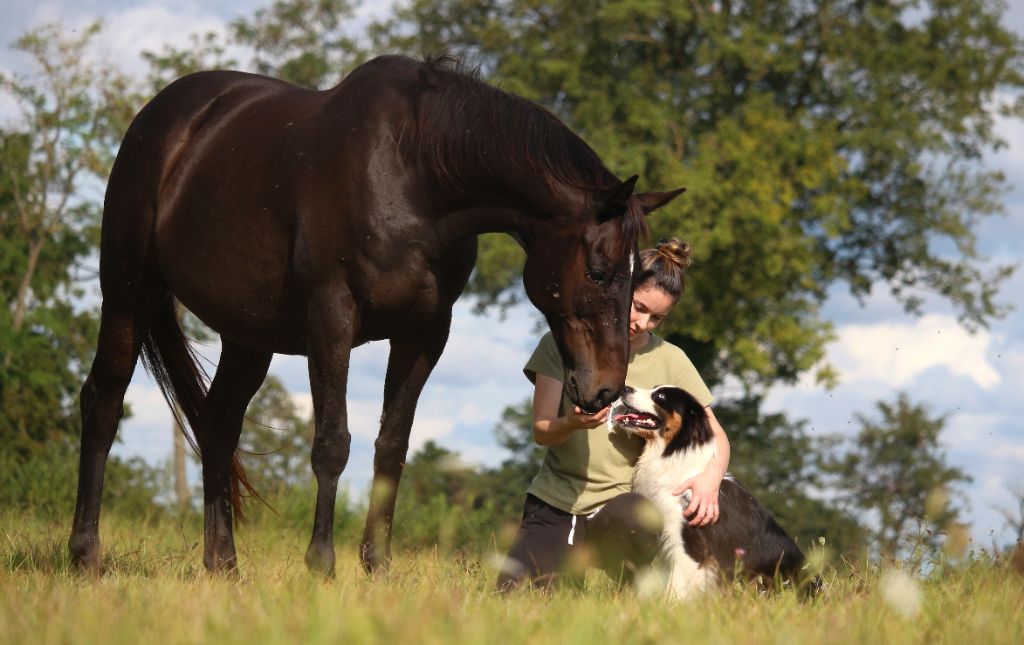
35	248
181	491
21	303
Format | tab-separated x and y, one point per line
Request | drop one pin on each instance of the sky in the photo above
879	350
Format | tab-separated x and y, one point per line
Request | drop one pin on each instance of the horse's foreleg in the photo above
410	363
332	322
122	330
239	374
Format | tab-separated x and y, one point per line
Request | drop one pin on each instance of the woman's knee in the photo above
635	512
626	534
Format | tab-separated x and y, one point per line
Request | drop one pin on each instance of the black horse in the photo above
305	222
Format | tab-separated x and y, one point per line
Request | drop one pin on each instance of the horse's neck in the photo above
473	219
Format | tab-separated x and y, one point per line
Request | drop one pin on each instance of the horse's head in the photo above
579	274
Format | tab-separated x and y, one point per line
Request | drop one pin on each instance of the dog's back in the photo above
746	540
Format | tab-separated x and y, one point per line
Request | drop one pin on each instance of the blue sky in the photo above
879	350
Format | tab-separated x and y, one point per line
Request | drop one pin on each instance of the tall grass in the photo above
154	589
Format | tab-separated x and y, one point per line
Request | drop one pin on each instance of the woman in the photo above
580	502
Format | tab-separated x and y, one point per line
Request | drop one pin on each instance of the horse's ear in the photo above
650	202
615	202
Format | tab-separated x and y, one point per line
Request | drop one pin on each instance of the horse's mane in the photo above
464	123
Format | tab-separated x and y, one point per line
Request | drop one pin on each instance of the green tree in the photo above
444	502
506	484
206	51
72	114
275	440
301	41
896	469
822	143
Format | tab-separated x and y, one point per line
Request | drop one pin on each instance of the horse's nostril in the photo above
604	397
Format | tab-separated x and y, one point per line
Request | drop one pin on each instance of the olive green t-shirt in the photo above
591	467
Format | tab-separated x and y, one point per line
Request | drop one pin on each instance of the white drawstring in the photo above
572	531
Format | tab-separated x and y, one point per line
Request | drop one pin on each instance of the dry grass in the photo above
155	590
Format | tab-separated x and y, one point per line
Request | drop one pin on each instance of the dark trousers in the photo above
553	545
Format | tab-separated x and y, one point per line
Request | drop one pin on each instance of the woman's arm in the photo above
550	429
703	508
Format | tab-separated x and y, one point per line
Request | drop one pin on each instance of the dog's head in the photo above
668	412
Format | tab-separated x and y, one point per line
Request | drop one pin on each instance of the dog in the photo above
746	540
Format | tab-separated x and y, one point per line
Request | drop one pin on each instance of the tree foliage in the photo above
206	51
73	112
821	142
275	440
444	499
896	470
301	41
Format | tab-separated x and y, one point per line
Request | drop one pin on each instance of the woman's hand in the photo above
581	420
550	429
703	508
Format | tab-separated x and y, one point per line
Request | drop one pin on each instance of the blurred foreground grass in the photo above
155	589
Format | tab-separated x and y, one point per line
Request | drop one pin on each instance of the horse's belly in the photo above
232	272
400	304
397	299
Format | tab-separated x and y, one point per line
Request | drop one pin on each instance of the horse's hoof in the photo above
85	555
373	561
222	564
320	561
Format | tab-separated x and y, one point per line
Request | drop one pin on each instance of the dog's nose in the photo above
627	390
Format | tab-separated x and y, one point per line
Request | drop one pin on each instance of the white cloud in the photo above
151	27
148	432
897	353
148	406
303	402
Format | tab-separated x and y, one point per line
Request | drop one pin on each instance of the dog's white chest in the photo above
655	477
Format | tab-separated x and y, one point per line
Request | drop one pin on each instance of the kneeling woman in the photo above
581	499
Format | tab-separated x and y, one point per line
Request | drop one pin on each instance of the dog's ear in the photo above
695	428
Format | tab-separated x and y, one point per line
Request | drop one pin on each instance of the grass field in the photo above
155	590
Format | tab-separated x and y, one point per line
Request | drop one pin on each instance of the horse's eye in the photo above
595	276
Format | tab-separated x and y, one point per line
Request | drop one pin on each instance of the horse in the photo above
309	222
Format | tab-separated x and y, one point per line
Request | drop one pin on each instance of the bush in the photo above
44	481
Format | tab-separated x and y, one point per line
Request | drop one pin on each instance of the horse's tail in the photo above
174	365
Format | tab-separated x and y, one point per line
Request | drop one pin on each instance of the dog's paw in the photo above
686	498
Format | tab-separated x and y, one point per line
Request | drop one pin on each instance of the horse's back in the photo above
152	146
265	186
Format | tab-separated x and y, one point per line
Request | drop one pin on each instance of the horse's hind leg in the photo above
409	365
239	374
124	324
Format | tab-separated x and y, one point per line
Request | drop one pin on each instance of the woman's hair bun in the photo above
676	251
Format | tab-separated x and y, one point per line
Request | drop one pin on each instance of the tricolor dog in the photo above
680	444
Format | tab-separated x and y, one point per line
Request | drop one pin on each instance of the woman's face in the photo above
650	306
